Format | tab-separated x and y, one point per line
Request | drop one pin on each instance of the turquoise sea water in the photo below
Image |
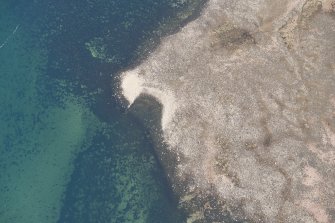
69	152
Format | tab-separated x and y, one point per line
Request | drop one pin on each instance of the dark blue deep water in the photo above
69	150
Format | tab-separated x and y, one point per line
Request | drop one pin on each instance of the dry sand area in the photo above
248	96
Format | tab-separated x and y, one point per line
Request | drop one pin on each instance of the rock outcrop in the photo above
248	95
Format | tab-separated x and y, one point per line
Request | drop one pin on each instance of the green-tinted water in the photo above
39	138
68	151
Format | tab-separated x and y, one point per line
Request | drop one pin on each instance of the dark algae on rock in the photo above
69	151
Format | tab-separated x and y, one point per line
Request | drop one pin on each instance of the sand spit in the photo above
248	95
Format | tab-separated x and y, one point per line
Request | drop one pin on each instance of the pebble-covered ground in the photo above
248	96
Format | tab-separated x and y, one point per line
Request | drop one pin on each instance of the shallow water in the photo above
68	150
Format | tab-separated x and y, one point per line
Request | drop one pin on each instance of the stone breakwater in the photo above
248	95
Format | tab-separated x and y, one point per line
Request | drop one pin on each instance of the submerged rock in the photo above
248	95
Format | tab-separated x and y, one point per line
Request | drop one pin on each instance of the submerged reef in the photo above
68	152
248	110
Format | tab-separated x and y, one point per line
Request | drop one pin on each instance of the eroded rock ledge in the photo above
248	95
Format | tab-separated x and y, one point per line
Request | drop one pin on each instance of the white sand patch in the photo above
133	85
167	99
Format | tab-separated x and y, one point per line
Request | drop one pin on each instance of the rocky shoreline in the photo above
248	110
